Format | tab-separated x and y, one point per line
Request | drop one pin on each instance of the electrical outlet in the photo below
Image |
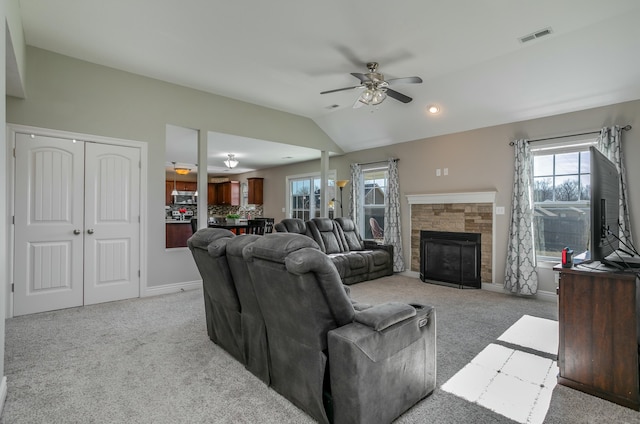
499	210
446	171
284	210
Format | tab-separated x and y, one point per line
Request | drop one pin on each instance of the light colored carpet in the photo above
150	361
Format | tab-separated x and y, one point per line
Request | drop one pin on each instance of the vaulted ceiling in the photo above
282	53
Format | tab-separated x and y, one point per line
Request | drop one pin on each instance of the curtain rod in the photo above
377	161
625	128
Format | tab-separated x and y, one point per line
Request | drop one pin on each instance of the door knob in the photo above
90	231
76	231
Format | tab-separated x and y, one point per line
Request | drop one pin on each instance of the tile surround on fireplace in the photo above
455	212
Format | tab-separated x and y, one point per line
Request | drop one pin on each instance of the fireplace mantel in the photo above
441	198
471	212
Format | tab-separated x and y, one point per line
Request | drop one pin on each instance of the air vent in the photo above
538	34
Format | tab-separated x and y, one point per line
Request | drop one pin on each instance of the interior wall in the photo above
71	95
4	213
478	160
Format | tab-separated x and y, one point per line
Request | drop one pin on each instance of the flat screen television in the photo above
605	195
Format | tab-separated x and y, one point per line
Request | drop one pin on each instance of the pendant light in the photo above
231	161
174	192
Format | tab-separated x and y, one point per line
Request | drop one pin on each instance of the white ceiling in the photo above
251	154
282	53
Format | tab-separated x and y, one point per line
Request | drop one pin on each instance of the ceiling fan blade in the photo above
405	80
362	77
341	89
398	96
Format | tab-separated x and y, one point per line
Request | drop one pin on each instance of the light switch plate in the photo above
438	172
499	210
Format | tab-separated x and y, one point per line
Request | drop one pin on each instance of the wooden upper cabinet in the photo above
182	186
228	193
179	186
187	185
255	191
168	188
212	194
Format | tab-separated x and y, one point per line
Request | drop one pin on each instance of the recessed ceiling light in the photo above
433	109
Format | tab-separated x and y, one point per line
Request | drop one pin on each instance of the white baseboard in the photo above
497	288
541	294
3	393
172	288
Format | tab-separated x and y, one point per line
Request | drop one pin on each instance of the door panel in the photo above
112	228
49	208
77	223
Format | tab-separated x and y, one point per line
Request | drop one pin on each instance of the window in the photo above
304	195
561	189
375	189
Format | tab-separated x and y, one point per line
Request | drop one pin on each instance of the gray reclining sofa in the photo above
290	320
356	259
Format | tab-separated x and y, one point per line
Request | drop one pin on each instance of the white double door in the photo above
77	223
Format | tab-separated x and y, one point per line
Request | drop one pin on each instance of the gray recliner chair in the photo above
254	334
291	225
338	364
222	306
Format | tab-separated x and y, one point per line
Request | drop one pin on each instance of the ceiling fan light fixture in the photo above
231	161
378	97
366	96
182	171
376	88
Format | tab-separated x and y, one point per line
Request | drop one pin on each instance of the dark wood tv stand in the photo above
598	323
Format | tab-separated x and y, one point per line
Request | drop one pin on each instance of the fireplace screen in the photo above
450	257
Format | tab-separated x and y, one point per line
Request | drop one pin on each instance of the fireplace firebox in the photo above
450	258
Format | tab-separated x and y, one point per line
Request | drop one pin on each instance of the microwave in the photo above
185	198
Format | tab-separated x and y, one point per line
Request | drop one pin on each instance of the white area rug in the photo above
534	333
510	382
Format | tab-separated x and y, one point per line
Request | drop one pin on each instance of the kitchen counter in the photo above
176	233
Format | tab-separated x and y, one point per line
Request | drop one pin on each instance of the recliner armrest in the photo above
385	315
403	357
372	245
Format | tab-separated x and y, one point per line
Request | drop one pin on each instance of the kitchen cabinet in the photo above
168	188
228	193
186	185
255	191
180	186
212	194
177	233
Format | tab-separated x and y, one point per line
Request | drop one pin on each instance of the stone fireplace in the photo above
454	212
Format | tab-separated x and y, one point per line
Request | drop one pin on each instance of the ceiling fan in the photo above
376	87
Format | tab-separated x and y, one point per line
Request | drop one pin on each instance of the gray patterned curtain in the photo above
392	234
610	144
520	274
355	198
